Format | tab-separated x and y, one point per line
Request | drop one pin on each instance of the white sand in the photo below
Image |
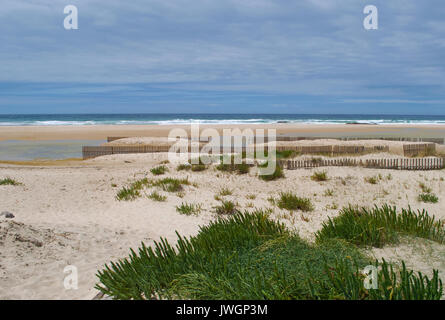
72	212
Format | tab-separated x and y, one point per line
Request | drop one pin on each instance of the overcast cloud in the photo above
311	56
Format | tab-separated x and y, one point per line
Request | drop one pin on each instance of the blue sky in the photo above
222	56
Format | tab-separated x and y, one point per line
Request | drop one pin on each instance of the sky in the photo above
222	56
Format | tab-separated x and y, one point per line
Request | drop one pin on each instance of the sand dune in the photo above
68	215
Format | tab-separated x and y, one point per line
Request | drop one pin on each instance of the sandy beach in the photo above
66	212
101	132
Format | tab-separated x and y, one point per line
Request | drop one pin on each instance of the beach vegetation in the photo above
140	184
380	225
248	256
133	191
160	170
198	167
287	154
171	184
320	176
225	192
128	194
183	167
289	201
189	209
156	196
425	188
428	198
240	168
332	206
226	208
372	180
329	192
276	174
9	182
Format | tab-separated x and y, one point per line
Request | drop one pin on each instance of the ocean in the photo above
205	118
13	150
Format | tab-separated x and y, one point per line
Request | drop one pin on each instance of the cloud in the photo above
293	51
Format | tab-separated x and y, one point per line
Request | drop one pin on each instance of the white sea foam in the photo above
179	121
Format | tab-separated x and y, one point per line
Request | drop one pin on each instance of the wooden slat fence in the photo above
410	150
408	139
399	164
96	151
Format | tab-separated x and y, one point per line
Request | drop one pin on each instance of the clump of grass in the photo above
249	256
250	205
189	209
320	176
348	278
329	192
155	196
424	188
157	171
9	182
198	167
380	225
171	184
333	206
225	192
372	180
251	196
291	202
240	168
183	167
428	198
277	174
226	208
286	154
133	191
140	184
128	194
